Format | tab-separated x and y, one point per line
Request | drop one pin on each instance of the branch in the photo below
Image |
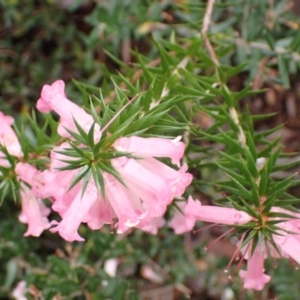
204	30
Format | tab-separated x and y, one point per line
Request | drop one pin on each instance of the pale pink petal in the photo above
25	172
254	277
178	180
48	95
153	147
153	226
4	161
8	138
75	214
53	98
62	198
99	214
288	240
33	213
180	222
131	170
153	205
120	201
215	214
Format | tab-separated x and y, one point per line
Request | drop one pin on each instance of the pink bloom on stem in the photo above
130	169
180	222
153	147
99	214
37	179
53	98
34	212
215	214
121	202
76	212
8	138
177	180
254	277
288	240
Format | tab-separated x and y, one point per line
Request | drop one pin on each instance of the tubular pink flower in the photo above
288	240
72	218
34	212
178	180
215	214
99	214
8	138
53	98
153	147
119	199
152	204
180	222
254	277
149	185
131	170
289	245
26	172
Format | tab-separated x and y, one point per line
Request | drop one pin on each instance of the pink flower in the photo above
75	214
254	277
288	240
122	202
8	138
178	180
180	222
53	98
215	214
149	185
152	147
34	212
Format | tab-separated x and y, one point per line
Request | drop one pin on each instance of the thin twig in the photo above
204	30
205	26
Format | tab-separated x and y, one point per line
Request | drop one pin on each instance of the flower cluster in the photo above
133	188
148	186
286	239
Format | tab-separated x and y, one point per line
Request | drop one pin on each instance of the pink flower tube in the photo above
215	214
53	98
8	138
254	277
156	147
34	213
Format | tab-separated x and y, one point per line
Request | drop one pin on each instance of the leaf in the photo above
86	180
83	171
110	170
76	136
90	137
283	70
98	179
264	179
